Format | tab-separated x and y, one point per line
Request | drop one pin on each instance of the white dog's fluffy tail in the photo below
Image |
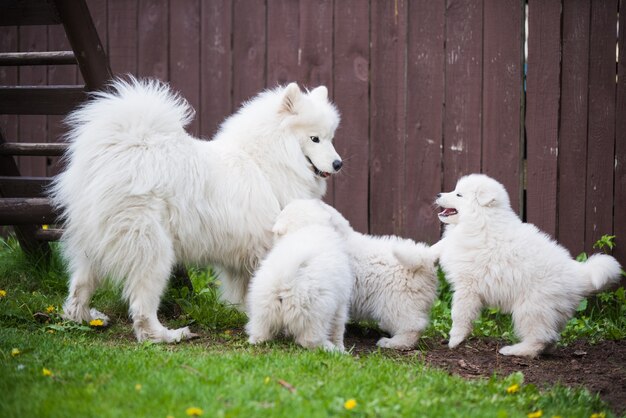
412	255
601	270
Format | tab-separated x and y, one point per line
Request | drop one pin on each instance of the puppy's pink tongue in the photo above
448	212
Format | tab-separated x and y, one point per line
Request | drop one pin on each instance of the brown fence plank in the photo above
184	54
600	149
619	221
122	36
542	111
462	128
215	72
387	116
573	129
153	32
32	128
98	9
282	41
425	95
8	77
58	75
502	95
351	82
249	20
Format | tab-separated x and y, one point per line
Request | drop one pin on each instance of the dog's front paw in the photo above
256	339
394	344
522	350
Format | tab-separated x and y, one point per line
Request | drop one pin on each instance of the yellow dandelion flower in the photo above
535	414
514	388
3	293
170	416
50	309
96	323
266	380
138	387
350	404
50	331
598	415
194	412
15	352
47	372
44	227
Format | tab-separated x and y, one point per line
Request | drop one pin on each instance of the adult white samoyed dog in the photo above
303	286
140	194
493	259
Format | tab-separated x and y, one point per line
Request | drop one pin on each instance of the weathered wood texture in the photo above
428	91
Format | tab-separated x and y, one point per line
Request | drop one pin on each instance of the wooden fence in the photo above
428	91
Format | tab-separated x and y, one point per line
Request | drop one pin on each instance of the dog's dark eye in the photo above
315	139
459	195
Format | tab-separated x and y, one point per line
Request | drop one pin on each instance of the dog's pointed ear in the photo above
320	93
485	196
291	97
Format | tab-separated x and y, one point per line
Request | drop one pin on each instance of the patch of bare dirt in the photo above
601	368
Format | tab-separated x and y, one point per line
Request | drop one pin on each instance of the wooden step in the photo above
28	12
31	148
40	100
38	58
51	234
20	186
25	211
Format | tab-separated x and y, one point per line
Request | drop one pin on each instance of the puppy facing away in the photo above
493	259
395	283
140	194
303	286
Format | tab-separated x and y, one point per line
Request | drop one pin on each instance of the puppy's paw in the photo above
393	344
521	350
96	314
455	341
256	339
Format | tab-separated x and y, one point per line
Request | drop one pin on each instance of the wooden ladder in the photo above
22	199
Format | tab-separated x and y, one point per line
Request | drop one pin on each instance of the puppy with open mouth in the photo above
491	258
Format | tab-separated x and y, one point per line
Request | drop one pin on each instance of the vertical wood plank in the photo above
184	54
282	41
249	45
463	96
215	72
58	74
425	96
542	112
351	85
98	9
502	94
32	128
573	128
600	148
122	36
8	77
153	37
619	221
388	116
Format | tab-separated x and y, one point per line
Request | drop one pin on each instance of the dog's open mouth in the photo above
448	212
316	170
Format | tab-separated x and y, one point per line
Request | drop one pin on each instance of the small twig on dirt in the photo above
287	385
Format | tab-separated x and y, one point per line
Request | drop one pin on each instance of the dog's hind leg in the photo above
83	283
466	307
338	328
536	328
234	287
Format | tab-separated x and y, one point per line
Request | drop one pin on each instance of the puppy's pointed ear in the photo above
279	229
291	97
320	93
485	197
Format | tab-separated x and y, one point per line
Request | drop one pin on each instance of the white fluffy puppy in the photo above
493	259
303	286
140	194
395	283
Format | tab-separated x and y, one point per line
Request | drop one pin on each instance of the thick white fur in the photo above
493	259
140	194
303	286
395	283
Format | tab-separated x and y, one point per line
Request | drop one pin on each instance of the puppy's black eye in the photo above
315	139
459	195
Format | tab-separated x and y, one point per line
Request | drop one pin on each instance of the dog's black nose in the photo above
337	164
438	194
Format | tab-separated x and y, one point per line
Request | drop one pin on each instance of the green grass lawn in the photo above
51	368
